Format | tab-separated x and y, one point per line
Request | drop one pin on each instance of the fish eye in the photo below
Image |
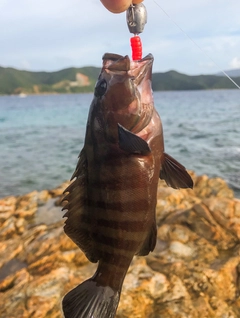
100	88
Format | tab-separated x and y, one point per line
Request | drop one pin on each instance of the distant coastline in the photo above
82	80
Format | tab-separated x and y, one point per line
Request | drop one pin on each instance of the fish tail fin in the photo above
90	300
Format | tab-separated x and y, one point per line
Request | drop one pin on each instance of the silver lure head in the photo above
136	18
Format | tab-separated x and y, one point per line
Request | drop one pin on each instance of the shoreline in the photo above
91	92
192	270
56	190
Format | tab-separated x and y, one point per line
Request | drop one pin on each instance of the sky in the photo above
49	35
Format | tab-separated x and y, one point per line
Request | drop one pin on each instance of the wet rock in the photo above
10	267
8	229
194	271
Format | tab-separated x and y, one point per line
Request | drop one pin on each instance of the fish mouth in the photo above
142	69
137	70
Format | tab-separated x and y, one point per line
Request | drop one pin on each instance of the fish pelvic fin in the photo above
90	300
132	143
174	174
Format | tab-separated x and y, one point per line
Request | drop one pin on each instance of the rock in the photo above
194	271
7	205
180	249
8	228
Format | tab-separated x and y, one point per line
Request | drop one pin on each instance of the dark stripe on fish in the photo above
121	206
134	225
111	232
117	185
126	245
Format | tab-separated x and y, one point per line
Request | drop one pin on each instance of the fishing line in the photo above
209	57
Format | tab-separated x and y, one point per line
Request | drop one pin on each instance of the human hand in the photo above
118	6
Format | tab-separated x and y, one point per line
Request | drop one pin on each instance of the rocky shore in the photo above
194	271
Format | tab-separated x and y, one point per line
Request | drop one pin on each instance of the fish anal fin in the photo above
90	300
150	242
174	173
132	143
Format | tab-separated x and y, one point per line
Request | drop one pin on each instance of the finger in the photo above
117	6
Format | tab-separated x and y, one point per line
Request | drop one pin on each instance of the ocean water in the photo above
41	136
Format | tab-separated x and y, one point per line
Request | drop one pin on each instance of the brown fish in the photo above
111	203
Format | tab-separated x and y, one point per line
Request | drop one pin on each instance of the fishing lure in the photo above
136	20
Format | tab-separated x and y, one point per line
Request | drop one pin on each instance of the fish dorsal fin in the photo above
175	174
132	143
76	198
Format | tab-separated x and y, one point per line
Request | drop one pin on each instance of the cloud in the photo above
235	62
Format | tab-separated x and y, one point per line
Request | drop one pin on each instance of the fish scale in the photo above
112	200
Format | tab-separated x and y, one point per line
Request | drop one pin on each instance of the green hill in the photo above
173	80
14	81
78	80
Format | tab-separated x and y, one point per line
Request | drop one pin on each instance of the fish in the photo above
112	201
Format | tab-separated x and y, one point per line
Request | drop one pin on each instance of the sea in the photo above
41	136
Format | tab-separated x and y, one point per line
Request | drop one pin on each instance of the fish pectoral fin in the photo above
175	174
150	242
132	143
90	299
